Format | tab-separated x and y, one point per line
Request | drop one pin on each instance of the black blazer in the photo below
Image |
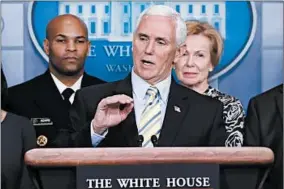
264	127
17	137
40	98
199	123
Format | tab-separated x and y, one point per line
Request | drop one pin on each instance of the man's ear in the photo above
46	46
89	45
180	51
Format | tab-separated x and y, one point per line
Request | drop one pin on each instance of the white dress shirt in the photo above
140	88
61	87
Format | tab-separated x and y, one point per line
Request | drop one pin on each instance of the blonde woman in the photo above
204	46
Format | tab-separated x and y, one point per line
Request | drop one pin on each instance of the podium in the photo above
56	167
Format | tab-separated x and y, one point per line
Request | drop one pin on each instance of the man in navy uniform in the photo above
46	99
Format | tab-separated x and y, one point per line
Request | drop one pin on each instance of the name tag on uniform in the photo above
41	121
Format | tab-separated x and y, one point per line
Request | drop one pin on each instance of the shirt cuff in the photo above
96	138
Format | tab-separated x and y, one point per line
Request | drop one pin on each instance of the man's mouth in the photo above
146	62
71	58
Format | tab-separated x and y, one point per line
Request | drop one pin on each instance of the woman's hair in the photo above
4	90
195	27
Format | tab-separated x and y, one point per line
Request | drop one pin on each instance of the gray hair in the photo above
163	10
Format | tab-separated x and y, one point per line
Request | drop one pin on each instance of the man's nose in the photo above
150	47
71	46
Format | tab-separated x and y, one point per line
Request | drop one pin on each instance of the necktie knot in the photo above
152	92
67	93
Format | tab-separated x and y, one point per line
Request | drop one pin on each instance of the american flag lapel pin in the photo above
177	109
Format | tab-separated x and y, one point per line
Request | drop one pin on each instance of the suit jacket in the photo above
17	137
40	98
199	123
264	127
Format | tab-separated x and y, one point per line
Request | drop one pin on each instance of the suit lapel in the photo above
279	101
128	126
86	80
48	98
177	107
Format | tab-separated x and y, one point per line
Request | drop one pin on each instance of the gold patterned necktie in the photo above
150	122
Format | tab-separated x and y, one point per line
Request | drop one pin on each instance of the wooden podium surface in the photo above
95	156
59	164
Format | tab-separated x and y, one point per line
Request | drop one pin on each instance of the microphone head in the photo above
140	138
154	140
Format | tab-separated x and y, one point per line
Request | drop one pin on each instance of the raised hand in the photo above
111	111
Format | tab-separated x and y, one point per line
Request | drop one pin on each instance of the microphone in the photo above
154	140
140	140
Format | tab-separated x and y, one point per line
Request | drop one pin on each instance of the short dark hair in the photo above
4	90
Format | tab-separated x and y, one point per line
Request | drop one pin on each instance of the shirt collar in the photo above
61	87
140	87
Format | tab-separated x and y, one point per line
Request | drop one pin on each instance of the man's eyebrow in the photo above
80	37
162	38
61	35
142	35
76	37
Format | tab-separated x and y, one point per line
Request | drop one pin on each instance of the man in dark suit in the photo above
46	99
264	127
148	108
